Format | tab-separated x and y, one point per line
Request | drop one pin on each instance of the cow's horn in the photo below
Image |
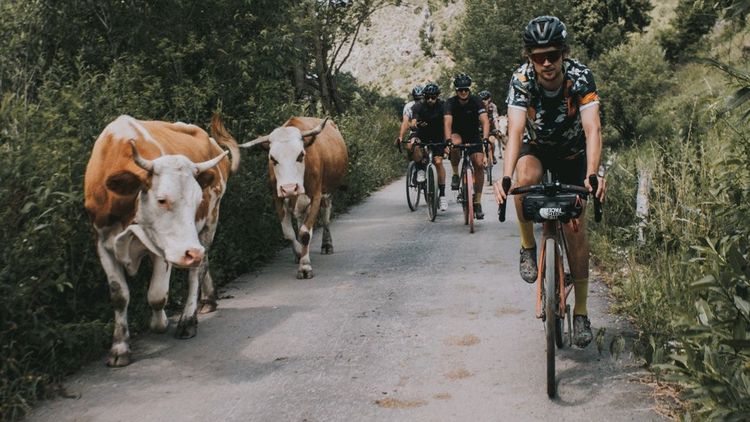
317	130
201	167
254	142
143	163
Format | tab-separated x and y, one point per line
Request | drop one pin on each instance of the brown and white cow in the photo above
307	162
153	189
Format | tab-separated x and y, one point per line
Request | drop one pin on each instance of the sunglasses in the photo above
431	97
552	56
462	89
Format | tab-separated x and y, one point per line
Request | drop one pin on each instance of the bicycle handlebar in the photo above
552	189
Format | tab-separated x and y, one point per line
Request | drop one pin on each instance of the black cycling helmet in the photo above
461	80
485	94
544	31
431	89
416	92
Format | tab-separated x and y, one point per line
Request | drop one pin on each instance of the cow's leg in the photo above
285	216
158	290
188	325
325	217
119	353
208	301
305	236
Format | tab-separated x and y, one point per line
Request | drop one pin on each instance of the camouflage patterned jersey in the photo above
553	118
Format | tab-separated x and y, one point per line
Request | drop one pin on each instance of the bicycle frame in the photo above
553	230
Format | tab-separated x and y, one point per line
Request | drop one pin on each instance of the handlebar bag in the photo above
539	208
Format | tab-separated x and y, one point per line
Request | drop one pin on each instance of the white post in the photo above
641	202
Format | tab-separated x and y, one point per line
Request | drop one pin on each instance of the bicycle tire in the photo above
559	332
431	191
550	281
470	199
412	190
489	172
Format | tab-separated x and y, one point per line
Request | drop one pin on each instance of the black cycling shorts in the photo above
471	139
569	171
437	150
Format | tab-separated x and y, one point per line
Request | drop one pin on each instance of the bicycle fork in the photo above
562	290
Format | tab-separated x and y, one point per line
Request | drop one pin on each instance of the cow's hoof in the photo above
207	306
186	328
159	322
326	249
118	360
304	238
304	274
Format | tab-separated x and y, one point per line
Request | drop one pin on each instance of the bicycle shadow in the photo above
588	373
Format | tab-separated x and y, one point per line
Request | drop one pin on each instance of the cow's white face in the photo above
287	156
167	209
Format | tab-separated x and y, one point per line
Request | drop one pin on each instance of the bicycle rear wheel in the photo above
469	210
412	188
431	191
550	325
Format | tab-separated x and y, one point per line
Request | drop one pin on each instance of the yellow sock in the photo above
581	291
527	234
478	198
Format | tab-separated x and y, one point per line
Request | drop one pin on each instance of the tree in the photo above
331	28
486	42
600	25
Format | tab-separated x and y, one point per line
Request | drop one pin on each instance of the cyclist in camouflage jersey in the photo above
554	99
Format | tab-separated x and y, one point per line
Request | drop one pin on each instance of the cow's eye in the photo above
273	160
163	203
300	157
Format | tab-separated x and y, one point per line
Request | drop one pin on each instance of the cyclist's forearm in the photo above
447	125
485	125
516	126
593	130
510	157
404	127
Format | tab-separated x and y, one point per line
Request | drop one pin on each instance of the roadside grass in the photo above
685	284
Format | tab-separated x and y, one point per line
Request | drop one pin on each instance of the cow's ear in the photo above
309	141
206	178
124	183
266	145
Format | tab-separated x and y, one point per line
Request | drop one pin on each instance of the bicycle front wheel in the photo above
412	187
469	210
550	321
431	191
489	172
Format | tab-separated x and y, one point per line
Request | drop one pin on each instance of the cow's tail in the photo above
222	136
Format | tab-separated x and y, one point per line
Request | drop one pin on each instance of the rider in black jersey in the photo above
428	119
463	115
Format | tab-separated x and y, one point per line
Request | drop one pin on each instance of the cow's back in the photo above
327	159
112	154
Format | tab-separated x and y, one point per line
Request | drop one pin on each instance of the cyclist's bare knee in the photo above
528	170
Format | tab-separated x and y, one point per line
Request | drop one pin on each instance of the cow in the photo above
307	162
153	189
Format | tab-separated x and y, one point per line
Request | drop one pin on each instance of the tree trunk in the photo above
321	68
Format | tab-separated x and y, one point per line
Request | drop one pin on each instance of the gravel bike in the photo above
553	204
428	186
466	187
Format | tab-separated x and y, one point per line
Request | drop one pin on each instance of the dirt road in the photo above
408	321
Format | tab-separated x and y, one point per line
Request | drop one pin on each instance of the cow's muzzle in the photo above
191	258
289	190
